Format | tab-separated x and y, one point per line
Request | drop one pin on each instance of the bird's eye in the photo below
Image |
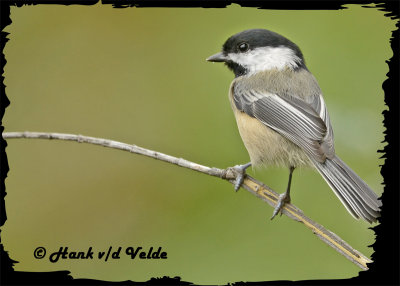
243	47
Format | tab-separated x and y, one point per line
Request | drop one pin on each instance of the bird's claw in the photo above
240	171
283	199
239	180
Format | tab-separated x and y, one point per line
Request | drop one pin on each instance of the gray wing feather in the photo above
318	104
292	117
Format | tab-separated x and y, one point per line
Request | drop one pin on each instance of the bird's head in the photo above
256	50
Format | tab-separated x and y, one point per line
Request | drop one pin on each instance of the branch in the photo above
252	185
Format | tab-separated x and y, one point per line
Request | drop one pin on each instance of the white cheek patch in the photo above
266	58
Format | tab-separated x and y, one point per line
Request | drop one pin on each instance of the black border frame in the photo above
384	270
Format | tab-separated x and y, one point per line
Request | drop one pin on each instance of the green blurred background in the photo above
139	76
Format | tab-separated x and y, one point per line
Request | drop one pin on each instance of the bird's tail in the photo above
352	191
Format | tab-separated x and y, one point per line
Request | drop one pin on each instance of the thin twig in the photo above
252	185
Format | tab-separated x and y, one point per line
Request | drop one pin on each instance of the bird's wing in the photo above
318	104
304	123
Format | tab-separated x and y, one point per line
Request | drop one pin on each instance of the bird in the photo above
283	119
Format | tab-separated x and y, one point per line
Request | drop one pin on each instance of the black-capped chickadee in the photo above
282	117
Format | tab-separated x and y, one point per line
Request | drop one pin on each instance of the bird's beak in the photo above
220	57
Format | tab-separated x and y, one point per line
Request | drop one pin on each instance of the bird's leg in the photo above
240	172
285	197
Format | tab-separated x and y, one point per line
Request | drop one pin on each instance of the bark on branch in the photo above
252	185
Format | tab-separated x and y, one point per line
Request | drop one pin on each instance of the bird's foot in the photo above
283	199
240	171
